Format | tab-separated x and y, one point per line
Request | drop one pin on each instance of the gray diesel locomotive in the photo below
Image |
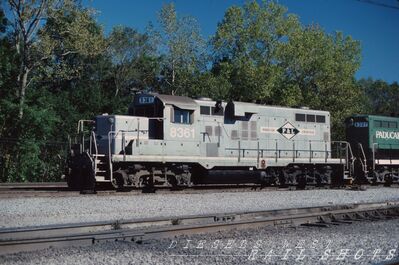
178	141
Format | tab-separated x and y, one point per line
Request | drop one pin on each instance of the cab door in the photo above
212	133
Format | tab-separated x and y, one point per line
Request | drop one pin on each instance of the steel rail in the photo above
26	192
32	185
52	188
15	240
36	191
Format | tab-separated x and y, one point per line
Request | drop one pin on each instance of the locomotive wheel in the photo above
139	178
148	182
302	181
375	178
281	180
172	182
319	180
118	180
388	180
184	179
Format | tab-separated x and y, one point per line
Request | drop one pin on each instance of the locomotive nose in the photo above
114	133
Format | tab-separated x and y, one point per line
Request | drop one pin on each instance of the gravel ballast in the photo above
357	243
18	212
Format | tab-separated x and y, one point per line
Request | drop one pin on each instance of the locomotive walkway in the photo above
138	230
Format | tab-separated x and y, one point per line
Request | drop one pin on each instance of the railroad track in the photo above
60	189
33	185
139	230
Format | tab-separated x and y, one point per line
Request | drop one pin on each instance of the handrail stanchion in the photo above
390	154
110	154
341	148
90	144
373	151
220	132
124	145
239	151
364	162
347	148
138	132
349	158
326	152
83	142
94	141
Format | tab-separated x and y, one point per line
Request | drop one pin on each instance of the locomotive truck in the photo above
177	141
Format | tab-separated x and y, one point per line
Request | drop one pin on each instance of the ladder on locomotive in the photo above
100	166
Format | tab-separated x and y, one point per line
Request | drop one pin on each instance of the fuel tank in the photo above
228	176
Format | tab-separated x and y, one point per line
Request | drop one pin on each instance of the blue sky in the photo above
376	27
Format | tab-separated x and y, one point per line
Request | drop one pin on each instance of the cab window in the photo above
181	116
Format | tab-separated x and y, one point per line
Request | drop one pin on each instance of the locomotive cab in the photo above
147	105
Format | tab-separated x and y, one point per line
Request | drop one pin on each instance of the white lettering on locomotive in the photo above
275	130
182	132
387	135
268	129
146	100
307	132
361	124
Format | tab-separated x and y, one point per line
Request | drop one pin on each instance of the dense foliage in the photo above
57	66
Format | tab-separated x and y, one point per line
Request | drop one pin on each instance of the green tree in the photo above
27	18
207	84
268	56
59	59
182	50
381	98
37	42
135	64
6	56
246	46
319	71
70	36
7	70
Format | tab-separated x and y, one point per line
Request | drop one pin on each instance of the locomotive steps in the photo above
139	230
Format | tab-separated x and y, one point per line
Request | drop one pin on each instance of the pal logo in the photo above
288	130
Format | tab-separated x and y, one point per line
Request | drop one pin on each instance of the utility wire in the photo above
379	4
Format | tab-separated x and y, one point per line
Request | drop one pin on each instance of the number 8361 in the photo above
181	132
